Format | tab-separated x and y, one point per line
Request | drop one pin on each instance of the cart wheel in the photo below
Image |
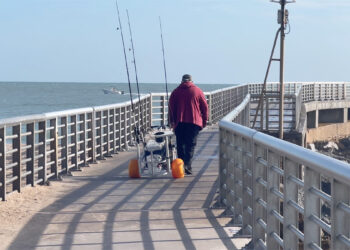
177	168
134	169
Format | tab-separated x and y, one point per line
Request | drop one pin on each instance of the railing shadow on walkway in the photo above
112	211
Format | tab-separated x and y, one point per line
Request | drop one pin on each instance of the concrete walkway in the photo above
104	209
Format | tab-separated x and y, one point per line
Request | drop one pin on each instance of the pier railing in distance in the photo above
296	93
283	195
220	103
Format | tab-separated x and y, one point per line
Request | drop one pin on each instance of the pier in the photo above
248	188
105	209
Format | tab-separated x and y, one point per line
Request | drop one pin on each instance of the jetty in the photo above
249	189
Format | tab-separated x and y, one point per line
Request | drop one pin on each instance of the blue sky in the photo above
217	41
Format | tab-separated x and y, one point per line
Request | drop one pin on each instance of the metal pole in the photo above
283	3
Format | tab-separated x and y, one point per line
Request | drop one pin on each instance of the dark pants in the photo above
186	140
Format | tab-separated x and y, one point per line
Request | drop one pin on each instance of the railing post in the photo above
31	154
223	167
101	134
54	146
143	123
259	193
17	170
120	128
114	127
3	163
210	109
151	110
126	128
231	194
163	110
221	105
248	115
65	152
314	92
74	119
108	129
89	137
83	118
93	136
247	186
312	207
238	177
143	118
42	151
267	114
273	202
290	215
340	218
262	115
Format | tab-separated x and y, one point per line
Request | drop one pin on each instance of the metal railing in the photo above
223	101
269	120
283	195
269	185
296	93
324	91
38	147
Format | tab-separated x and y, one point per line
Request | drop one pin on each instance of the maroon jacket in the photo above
187	104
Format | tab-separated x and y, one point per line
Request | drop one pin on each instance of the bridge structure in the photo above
273	190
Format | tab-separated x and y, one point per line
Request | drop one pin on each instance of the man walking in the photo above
188	114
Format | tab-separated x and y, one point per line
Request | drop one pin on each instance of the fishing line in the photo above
136	129
134	60
126	60
165	75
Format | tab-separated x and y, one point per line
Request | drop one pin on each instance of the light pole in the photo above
282	20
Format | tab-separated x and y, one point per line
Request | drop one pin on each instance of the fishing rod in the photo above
136	130
126	60
134	61
165	75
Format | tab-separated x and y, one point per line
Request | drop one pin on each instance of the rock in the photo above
312	147
331	145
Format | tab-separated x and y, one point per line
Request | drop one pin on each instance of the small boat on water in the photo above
113	91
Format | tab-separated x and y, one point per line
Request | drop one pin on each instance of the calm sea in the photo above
19	98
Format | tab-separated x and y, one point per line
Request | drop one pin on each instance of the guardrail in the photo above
38	147
268	115
283	195
222	101
264	181
324	91
295	94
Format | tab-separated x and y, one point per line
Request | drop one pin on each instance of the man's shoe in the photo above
188	172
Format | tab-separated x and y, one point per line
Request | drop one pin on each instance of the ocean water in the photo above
20	98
